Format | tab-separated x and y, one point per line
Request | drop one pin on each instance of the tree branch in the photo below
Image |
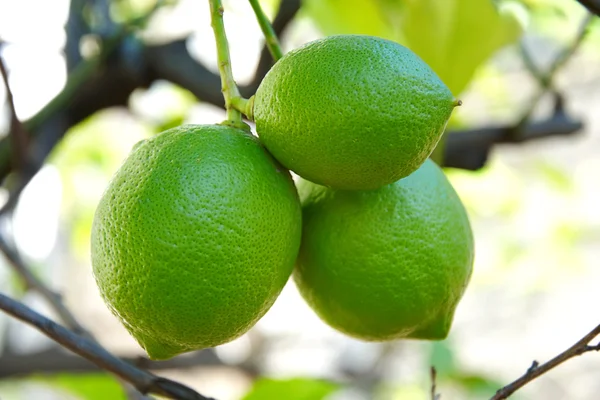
75	28
17	134
536	370
33	283
56	359
143	381
469	149
100	85
433	374
546	78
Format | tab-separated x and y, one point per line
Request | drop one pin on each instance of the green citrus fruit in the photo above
195	237
388	263
351	111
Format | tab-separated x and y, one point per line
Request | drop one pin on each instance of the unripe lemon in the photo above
388	263
351	111
195	237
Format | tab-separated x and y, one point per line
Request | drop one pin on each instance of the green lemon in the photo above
195	237
351	111
389	263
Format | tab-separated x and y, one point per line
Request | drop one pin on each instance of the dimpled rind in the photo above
195	237
351	111
389	263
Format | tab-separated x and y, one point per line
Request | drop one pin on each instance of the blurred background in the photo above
90	78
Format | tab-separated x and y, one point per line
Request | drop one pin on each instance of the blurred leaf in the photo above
124	11
334	17
408	392
291	389
89	386
86	158
554	175
455	36
270	7
442	358
173	122
478	386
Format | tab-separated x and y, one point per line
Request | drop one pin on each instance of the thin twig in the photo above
54	299
143	381
34	283
271	40
53	359
18	135
75	28
579	348
18	140
433	374
565	55
546	78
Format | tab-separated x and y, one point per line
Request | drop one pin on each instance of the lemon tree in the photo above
201	227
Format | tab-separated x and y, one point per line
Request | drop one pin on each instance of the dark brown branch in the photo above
536	370
433	374
593	6
57	360
143	381
469	149
568	52
92	86
546	78
75	28
17	134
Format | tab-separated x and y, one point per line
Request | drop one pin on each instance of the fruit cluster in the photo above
202	226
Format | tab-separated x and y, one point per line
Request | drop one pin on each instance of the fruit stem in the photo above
265	25
231	93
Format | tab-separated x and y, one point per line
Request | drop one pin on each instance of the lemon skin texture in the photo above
351	111
194	238
386	264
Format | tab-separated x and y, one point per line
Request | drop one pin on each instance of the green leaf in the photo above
442	358
291	389
88	386
455	36
479	386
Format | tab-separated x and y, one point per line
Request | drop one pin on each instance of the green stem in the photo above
267	29
229	88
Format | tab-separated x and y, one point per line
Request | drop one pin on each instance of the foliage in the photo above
454	37
291	389
88	386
